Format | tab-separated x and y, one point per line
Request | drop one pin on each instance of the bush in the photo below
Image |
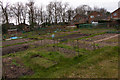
4	28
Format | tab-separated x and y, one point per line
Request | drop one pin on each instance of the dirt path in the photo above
106	38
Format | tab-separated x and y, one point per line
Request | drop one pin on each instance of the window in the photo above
115	14
91	16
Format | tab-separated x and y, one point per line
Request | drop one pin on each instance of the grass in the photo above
99	63
55	65
15	63
112	40
94	31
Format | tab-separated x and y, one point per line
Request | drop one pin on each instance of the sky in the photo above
110	5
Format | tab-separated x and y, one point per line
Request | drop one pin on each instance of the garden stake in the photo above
78	46
41	42
94	46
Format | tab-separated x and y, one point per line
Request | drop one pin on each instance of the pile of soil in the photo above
11	70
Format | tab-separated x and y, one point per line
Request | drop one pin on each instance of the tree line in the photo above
56	12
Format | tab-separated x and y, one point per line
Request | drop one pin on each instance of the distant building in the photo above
115	17
79	19
116	14
95	16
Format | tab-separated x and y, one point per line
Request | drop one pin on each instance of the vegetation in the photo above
55	60
55	65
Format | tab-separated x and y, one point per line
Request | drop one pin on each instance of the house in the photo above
95	16
79	19
115	17
116	14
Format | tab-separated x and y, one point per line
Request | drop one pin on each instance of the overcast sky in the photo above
110	5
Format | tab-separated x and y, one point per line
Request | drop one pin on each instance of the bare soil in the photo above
16	69
14	48
22	47
73	36
14	41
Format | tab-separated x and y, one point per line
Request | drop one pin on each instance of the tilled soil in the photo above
14	70
15	48
73	36
22	47
14	41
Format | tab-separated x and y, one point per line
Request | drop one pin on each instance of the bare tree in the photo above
40	11
54	10
24	13
70	14
64	9
17	11
83	9
50	12
31	13
5	12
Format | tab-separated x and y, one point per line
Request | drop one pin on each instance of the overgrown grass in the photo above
55	65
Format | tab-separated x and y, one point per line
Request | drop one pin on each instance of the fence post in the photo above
94	46
78	46
41	41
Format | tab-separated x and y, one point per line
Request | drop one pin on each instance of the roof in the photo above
116	10
94	12
80	16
